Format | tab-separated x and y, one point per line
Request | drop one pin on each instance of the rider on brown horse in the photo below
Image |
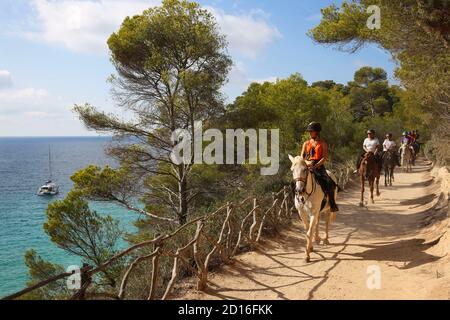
389	145
315	152
371	145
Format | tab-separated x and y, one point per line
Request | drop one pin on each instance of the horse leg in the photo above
327	227
378	185
305	219
361	203
317	236
309	237
391	174
371	186
386	176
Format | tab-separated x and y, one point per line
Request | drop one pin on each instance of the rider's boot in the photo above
333	205
358	164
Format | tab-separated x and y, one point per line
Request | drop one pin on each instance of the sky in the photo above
53	55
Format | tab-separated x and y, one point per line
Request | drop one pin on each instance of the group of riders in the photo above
372	144
315	152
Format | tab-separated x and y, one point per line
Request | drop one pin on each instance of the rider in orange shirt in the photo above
315	152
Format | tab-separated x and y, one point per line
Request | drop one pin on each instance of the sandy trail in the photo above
404	234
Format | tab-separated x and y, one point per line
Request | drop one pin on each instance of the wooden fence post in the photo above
253	226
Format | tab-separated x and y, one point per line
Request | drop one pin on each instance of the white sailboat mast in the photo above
49	164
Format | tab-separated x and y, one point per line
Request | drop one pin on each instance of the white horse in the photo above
407	154
308	202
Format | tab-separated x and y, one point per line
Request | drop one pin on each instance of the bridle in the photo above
301	179
305	180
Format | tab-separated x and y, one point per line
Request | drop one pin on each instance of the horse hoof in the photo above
307	260
318	241
326	242
361	204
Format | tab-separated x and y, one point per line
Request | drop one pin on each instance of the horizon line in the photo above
68	136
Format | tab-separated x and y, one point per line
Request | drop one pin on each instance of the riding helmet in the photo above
371	131
314	126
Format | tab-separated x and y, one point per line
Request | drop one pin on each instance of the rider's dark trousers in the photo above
328	186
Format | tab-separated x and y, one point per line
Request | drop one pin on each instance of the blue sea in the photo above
23	168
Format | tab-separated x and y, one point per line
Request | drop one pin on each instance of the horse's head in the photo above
368	156
299	173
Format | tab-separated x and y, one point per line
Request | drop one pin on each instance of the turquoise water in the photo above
23	168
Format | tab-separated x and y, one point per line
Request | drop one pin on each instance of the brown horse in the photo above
389	163
371	170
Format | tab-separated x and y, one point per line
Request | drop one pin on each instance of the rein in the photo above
305	180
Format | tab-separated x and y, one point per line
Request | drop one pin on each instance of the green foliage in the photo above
366	76
344	26
171	61
370	94
40	270
345	112
416	34
73	227
177	46
106	184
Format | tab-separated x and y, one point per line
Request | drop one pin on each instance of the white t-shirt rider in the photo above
388	144
371	145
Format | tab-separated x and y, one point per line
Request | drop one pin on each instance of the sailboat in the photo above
49	188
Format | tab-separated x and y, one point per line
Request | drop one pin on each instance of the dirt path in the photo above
403	234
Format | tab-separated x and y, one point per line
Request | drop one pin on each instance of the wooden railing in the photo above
216	237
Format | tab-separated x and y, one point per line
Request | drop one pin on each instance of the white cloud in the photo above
24	96
22	101
26	101
35	112
249	33
239	80
85	25
263	80
5	79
